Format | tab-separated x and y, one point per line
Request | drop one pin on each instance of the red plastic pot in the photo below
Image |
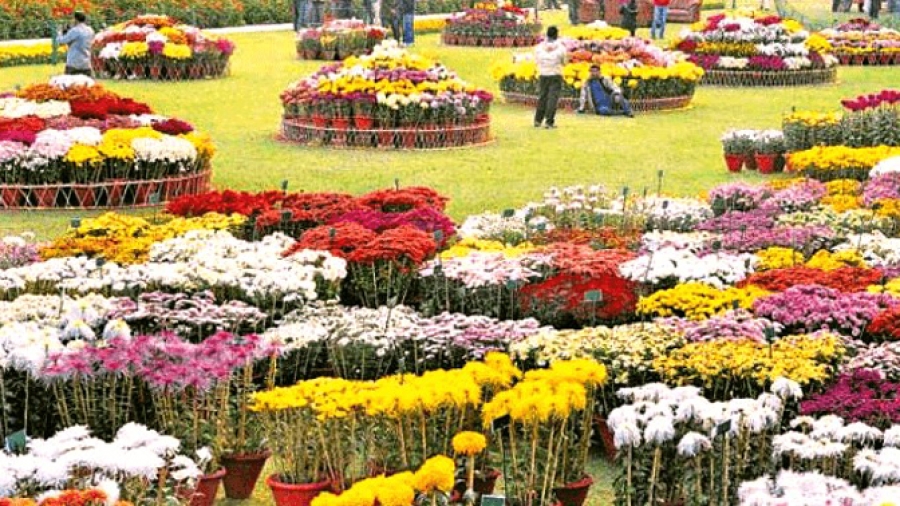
9	196
295	495
85	194
116	190
319	121
734	162
386	139
765	163
45	195
575	493
408	138
340	123
362	122
207	488
243	473
606	437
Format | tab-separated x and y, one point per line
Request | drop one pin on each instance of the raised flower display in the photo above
487	25
159	48
389	99
73	143
864	42
338	39
650	78
761	51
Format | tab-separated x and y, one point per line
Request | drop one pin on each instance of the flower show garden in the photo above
377	313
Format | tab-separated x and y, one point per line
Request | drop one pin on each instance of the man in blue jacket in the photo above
79	39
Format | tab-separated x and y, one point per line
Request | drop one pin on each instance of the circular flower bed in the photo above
651	78
72	143
389	99
862	42
338	39
487	25
765	51
158	48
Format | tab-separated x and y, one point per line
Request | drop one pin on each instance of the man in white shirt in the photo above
79	39
550	56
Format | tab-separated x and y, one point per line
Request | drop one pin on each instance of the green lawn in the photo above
242	114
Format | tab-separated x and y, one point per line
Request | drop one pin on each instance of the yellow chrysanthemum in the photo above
436	474
469	443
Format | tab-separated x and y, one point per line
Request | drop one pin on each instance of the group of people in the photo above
870	7
399	15
599	94
629	12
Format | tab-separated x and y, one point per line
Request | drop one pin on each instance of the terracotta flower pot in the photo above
750	162
765	163
362	122
207	488
340	123
115	189
295	495
606	437
9	196
386	139
734	162
143	191
574	494
408	138
243	473
85	194
319	121
45	196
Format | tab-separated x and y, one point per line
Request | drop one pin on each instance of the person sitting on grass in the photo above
601	95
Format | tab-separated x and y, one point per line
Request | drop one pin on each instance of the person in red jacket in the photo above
660	13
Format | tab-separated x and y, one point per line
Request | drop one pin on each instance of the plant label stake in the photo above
493	500
508	213
16	442
75	223
284	186
593	297
659	181
397	183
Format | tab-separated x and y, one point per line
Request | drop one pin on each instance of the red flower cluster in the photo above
22	130
885	326
341	239
586	261
403	244
872	101
845	279
101	109
403	199
173	126
566	294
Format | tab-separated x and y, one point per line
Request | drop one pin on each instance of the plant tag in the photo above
15	442
493	500
438	236
540	227
508	213
722	429
284	185
511	284
593	296
153	199
76	223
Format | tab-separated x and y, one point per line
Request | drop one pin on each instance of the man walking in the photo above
79	39
550	57
660	13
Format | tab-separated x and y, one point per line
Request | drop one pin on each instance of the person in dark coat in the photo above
629	12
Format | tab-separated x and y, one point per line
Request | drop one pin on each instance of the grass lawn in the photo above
242	114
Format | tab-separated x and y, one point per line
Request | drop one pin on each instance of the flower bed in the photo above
403	101
487	25
73	143
338	39
762	51
863	42
650	78
29	54
158	48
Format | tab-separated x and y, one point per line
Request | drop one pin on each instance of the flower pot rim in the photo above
246	455
216	475
586	481
273	481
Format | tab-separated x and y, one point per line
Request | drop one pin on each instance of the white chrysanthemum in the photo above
692	444
659	430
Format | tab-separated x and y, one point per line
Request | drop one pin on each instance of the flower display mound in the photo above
389	99
71	143
762	51
863	42
338	39
159	48
487	25
650	78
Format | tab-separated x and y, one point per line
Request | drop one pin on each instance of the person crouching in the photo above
600	95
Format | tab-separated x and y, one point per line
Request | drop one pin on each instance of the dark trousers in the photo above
573	11
72	71
394	23
550	87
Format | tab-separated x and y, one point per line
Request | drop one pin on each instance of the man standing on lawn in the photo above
550	57
408	14
660	13
79	39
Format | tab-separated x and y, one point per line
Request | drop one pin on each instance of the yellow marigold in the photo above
888	208
828	261
828	159
436	474
777	257
891	287
173	35
469	443
134	50
177	51
843	187
841	203
468	245
698	301
79	153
